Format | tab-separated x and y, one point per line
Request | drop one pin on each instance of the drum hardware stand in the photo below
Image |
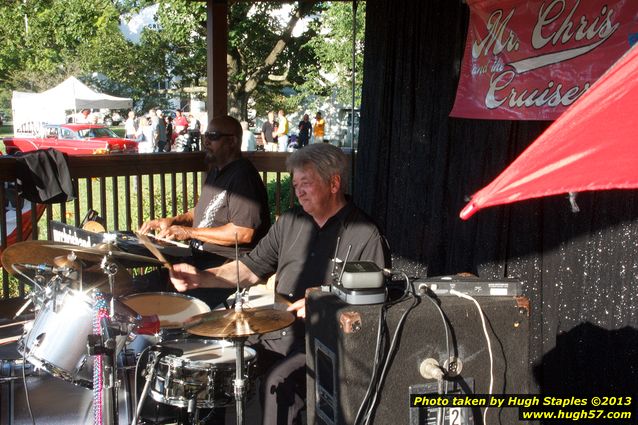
161	352
239	382
105	345
110	268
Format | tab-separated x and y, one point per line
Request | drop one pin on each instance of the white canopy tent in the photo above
32	110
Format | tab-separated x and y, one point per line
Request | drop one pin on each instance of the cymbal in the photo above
229	323
47	252
38	252
97	253
94	278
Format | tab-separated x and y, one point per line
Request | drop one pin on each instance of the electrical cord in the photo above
442	385
487	338
377	355
134	395
379	347
391	350
24	382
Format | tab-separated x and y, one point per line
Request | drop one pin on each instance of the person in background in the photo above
248	141
85	117
194	130
160	146
180	121
268	133
282	131
130	126
299	248
304	131
169	133
144	135
318	130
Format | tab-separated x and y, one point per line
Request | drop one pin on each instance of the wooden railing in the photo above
126	190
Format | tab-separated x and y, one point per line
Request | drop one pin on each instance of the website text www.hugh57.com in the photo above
539	407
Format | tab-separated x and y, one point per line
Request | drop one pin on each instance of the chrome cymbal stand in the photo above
239	383
109	348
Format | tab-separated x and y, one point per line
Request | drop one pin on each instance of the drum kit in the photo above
89	330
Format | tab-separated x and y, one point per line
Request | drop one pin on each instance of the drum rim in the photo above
170	294
212	342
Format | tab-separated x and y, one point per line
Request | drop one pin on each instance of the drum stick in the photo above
8	325
179	244
9	340
156	252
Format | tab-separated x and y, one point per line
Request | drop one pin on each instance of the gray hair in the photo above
327	159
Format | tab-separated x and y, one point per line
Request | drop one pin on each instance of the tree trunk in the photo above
238	104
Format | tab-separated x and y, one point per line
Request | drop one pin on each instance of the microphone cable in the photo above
24	382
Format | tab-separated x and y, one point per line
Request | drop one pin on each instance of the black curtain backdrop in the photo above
416	168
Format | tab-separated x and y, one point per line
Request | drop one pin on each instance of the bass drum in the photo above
56	402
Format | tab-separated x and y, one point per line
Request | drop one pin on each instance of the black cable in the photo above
393	343
447	333
137	365
379	348
375	365
24	381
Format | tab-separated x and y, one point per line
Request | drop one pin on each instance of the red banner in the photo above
531	59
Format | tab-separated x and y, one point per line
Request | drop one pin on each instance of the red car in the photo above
72	139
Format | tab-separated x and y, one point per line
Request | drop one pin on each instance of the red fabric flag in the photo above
593	145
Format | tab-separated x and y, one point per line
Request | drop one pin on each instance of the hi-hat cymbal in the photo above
230	324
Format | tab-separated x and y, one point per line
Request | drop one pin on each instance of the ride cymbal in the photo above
230	324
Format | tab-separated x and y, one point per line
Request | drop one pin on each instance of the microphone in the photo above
45	268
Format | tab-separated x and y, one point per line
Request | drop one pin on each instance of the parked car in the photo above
72	139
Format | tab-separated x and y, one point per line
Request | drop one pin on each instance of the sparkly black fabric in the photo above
416	168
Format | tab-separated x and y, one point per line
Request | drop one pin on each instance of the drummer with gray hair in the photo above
299	249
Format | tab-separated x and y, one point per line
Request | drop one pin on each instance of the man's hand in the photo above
185	276
179	233
300	307
157	224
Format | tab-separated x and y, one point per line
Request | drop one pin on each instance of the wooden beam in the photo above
216	50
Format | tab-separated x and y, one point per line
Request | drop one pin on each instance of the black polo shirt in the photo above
235	194
300	252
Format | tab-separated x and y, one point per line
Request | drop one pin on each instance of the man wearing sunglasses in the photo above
233	202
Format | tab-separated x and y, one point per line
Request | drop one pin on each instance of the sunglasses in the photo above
215	135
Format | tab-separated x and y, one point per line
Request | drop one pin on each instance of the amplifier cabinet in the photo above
341	343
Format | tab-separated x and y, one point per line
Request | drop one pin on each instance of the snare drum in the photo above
204	372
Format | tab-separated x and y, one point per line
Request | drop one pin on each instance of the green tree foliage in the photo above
263	56
333	48
42	42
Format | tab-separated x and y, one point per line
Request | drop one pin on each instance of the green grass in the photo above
121	224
